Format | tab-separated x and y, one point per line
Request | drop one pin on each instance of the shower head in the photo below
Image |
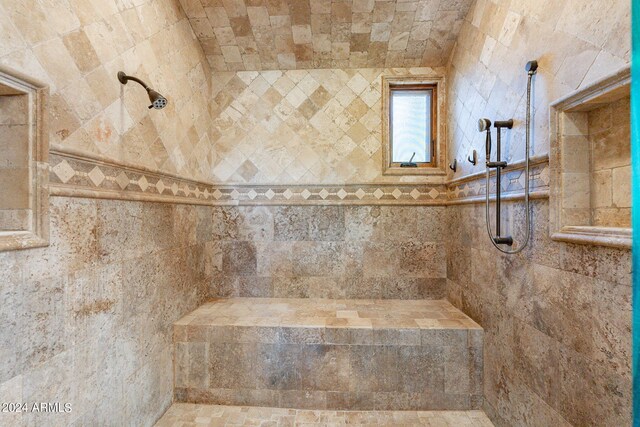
484	124
157	101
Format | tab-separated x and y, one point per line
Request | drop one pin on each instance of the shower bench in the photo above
329	354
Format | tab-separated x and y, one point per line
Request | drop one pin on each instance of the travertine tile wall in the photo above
14	164
296	34
328	252
575	42
78	46
101	346
301	126
576	169
557	321
556	316
88	320
610	140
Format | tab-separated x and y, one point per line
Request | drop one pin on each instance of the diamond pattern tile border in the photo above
71	175
472	188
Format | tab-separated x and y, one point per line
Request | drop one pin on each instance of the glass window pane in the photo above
411	125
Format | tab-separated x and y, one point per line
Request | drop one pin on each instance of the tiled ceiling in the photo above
303	34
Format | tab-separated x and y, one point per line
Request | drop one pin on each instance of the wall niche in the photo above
24	201
591	164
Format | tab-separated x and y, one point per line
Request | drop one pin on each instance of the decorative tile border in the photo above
78	176
471	189
73	175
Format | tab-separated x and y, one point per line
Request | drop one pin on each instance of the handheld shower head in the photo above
157	101
484	124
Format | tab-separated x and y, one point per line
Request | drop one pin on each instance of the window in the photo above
411	115
410	126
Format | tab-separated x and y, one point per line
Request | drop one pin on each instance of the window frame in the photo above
433	131
435	84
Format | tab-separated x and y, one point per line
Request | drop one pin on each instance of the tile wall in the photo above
557	316
78	46
610	138
14	165
328	252
576	169
302	126
88	320
557	321
575	42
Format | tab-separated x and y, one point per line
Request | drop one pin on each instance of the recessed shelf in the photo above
591	164
24	220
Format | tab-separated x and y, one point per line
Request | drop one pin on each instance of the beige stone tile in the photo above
576	190
14	142
576	154
16	187
601	189
54	56
621	185
81	50
319	113
275	24
14	110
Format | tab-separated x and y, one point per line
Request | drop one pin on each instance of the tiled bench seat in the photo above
329	354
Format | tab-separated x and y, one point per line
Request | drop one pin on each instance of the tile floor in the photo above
188	414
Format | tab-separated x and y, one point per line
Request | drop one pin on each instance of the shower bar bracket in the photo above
484	125
497	165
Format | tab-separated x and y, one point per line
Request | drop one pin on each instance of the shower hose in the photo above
526	183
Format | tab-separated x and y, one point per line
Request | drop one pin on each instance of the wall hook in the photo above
473	158
454	165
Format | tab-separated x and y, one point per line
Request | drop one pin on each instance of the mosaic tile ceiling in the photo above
302	34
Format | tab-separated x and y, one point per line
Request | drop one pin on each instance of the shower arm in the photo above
157	101
531	68
123	78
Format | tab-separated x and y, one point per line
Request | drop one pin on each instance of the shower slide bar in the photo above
484	125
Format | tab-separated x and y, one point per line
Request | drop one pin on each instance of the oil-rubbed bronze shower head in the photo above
157	101
484	124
